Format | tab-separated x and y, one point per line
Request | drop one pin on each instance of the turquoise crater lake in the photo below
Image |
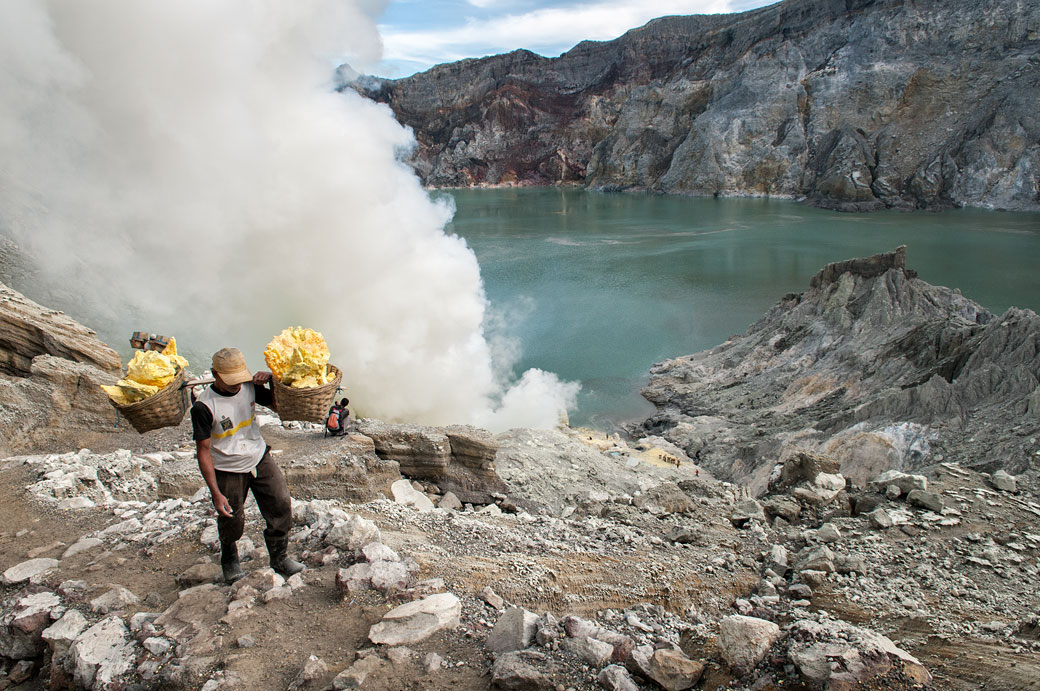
598	287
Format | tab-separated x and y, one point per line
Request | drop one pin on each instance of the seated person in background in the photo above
338	421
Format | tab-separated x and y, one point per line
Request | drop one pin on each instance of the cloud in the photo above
548	31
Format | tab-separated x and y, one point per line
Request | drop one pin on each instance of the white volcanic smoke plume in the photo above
185	167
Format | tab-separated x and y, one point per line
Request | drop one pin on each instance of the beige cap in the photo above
231	366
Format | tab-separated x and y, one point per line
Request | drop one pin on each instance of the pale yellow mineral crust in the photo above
298	357
147	373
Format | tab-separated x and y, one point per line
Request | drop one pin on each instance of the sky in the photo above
418	34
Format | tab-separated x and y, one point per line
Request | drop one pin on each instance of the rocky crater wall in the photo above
853	105
872	366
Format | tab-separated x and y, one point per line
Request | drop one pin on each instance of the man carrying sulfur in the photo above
234	459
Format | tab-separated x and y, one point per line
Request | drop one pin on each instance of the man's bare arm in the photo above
202	453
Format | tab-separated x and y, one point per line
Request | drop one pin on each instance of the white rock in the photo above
82	545
60	634
593	651
1004	481
157	645
353	533
418	620
20	573
905	482
101	654
75	503
115	599
377	551
407	495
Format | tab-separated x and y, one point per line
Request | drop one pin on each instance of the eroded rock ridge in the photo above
872	366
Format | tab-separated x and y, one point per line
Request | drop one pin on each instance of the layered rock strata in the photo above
51	369
871	366
852	105
458	458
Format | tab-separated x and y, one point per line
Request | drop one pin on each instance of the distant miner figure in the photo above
234	459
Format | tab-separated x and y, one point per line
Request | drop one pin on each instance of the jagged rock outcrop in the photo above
28	329
871	366
51	369
853	105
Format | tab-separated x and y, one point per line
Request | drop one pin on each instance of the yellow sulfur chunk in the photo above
150	367
170	351
146	374
298	357
127	391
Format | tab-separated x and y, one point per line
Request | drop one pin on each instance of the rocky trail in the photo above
585	597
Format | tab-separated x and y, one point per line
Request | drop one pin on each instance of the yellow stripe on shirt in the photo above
241	425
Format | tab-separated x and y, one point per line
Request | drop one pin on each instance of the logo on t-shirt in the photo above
225	423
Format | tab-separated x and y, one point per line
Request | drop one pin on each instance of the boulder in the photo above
191	620
450	502
828	533
746	511
407	495
354	677
520	671
744	641
880	519
547	629
101	655
26	570
23	621
904	481
514	630
865	655
673	671
60	635
1004	481
782	506
816	559
115	599
616	678
417	620
353	533
926	500
592	651
493	599
664	499
821	491
777	560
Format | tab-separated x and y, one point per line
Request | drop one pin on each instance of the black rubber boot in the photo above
229	563
280	561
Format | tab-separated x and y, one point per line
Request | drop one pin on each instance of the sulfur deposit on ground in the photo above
534	559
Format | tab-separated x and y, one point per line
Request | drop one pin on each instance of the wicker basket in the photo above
309	405
164	409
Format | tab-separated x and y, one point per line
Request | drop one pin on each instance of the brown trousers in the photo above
271	494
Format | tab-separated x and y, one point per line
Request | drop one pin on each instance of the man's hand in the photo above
220	503
260	378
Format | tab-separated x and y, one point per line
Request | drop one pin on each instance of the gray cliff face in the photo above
854	105
871	366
